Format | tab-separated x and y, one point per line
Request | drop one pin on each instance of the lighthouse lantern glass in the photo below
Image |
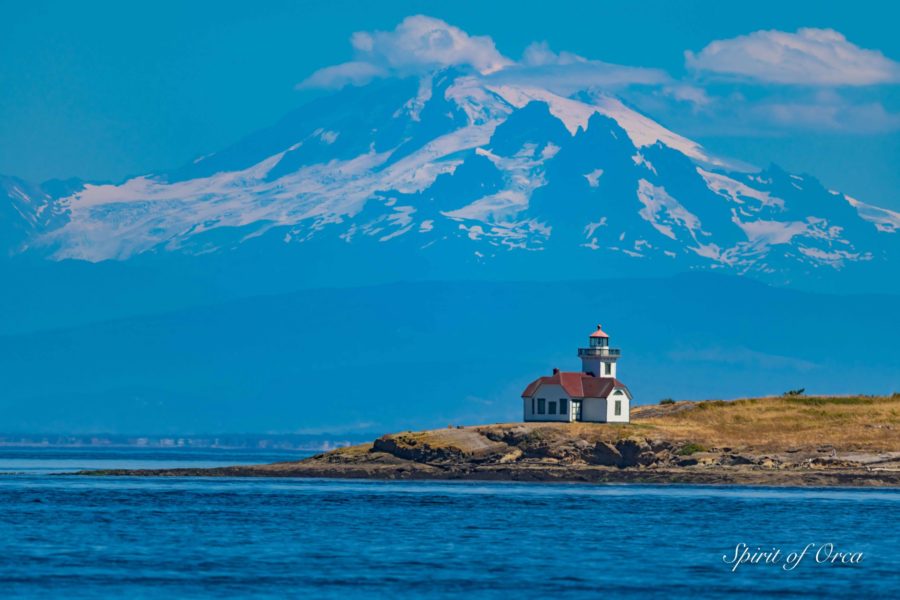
599	342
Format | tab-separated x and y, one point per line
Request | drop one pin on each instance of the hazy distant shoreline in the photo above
302	442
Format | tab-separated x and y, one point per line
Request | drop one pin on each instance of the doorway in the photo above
576	410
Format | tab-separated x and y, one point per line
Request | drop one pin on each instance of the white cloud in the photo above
824	115
352	73
807	57
418	44
691	94
818	58
421	41
539	53
774	113
565	73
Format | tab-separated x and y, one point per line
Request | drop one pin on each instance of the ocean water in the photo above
63	536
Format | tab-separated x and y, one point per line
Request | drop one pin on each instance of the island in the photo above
777	441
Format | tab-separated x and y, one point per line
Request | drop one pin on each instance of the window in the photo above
608	368
532	406
541	406
618	408
552	410
617	393
563	406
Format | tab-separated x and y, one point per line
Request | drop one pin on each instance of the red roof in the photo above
599	333
577	384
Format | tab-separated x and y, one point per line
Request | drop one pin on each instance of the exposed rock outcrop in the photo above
713	442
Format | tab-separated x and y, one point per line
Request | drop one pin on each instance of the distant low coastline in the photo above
299	442
783	441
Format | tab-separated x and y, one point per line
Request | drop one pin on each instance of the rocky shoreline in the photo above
662	445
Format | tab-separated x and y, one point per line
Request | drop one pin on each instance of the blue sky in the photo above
104	90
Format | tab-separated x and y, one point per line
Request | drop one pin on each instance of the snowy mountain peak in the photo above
454	169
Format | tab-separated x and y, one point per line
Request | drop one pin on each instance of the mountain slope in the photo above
471	178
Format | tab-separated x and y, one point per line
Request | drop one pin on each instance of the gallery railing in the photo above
599	351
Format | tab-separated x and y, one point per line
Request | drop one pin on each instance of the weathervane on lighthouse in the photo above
593	394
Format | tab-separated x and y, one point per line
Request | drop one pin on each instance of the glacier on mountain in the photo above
486	169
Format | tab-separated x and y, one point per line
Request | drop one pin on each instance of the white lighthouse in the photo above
598	359
592	394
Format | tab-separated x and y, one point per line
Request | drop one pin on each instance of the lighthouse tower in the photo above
598	359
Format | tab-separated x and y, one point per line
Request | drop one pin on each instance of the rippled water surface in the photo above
87	537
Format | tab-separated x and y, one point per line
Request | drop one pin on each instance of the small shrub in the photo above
667	401
797	392
691	448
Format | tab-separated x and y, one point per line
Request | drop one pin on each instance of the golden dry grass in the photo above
864	423
357	450
870	423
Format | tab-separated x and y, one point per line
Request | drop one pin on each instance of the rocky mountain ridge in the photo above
467	178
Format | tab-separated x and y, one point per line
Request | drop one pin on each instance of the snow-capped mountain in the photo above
174	301
452	171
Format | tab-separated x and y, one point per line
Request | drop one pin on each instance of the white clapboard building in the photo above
592	394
